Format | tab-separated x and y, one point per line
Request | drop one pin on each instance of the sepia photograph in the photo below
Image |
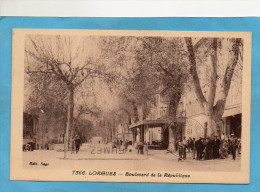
130	106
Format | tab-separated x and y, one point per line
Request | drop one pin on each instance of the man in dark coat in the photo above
199	148
193	148
208	149
77	143
216	146
203	146
140	147
189	144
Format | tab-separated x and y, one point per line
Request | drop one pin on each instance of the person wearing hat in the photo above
233	146
199	148
77	143
203	148
193	148
208	149
216	146
140	147
185	144
180	149
224	153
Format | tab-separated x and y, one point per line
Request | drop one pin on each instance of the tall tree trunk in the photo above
209	131
172	138
217	113
174	102
213	112
213	119
145	110
214	125
69	125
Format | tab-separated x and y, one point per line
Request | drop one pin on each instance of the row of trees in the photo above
165	65
62	70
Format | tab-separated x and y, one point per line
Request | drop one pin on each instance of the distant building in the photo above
30	127
154	129
123	132
42	129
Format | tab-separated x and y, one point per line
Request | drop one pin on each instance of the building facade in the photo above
191	120
196	124
153	130
30	127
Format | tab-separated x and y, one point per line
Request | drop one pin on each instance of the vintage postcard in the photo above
131	106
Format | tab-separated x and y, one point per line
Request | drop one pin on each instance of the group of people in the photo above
120	145
123	146
209	148
141	146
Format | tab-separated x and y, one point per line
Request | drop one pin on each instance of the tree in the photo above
228	59
67	60
138	93
168	63
152	65
136	84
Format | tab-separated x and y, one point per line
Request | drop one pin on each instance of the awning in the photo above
232	111
156	122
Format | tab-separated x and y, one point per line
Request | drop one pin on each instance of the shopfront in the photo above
152	132
232	121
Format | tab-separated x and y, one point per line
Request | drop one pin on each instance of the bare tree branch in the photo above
231	66
194	73
213	79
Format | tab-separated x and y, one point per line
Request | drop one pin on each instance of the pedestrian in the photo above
118	144
180	149
140	147
199	148
208	149
122	147
216	146
114	145
193	148
126	144
77	143
221	150
229	148
233	147
203	149
188	145
185	144
224	153
47	146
